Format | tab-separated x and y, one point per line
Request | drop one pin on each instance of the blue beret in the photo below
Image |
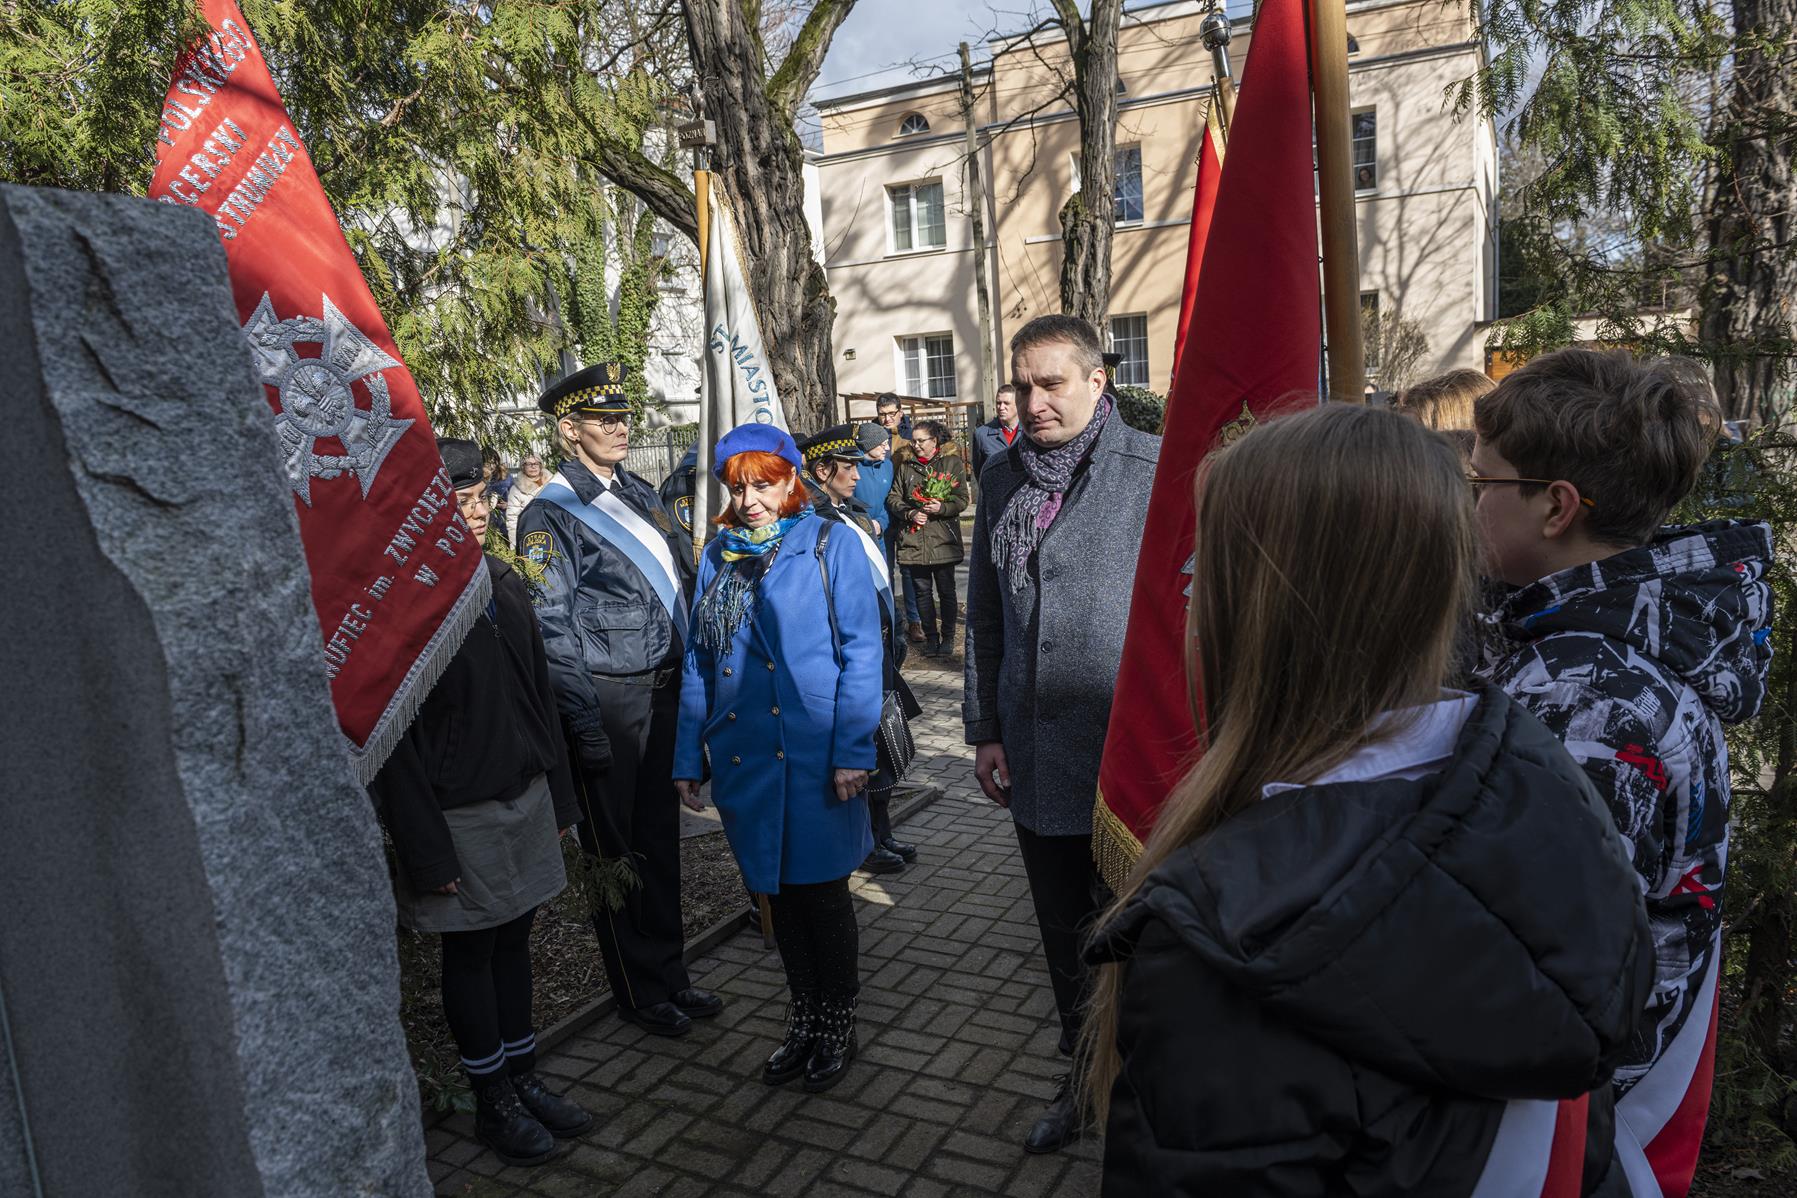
763	438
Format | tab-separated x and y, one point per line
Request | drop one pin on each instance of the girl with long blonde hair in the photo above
1382	928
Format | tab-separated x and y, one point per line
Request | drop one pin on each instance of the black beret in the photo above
598	388
463	461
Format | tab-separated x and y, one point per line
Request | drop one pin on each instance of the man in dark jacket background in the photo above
617	582
999	433
473	795
1045	622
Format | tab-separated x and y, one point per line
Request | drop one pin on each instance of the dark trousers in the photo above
820	944
1069	895
937	605
486	997
630	812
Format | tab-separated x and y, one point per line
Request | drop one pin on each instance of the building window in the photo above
1129	184
1370	329
659	245
914	122
1366	151
1353	44
1128	197
1129	337
928	365
917	222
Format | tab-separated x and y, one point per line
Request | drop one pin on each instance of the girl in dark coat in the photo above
929	542
1384	938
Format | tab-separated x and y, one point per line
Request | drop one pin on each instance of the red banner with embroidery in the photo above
396	574
1251	349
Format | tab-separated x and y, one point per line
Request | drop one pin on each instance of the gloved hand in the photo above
594	748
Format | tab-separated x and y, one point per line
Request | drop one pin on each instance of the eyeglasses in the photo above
606	419
1476	481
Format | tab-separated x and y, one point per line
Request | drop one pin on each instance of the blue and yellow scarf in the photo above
730	599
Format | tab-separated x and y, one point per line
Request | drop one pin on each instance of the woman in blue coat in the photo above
783	687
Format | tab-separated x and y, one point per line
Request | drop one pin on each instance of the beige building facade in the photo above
896	229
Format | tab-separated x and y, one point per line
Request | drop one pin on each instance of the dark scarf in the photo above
730	599
1034	506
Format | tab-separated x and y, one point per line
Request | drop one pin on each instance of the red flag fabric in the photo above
1204	203
397	577
1253	347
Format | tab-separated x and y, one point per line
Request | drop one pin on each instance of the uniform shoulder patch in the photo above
538	547
683	508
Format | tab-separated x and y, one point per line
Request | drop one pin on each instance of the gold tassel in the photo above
1114	847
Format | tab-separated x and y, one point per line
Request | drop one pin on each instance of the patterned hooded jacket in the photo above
1637	662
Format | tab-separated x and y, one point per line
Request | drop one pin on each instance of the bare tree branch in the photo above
661	190
806	58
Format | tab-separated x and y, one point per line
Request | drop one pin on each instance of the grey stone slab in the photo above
179	716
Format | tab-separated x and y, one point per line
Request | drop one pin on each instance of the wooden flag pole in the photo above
1335	192
702	190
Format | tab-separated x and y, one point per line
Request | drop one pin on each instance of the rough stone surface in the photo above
181	618
957	1044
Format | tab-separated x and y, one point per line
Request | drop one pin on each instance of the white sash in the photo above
621	525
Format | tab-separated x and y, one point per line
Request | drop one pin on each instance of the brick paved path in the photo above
957	1045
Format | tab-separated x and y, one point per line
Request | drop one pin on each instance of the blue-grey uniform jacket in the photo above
599	609
1042	661
780	713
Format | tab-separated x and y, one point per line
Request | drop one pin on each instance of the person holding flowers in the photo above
928	496
782	687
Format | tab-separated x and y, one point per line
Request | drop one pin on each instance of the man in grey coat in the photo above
1054	558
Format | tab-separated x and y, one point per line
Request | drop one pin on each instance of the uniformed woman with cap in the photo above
613	608
833	460
783	689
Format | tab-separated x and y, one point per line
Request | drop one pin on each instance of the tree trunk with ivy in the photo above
1088	216
1746	300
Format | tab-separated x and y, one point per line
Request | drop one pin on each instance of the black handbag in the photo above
893	737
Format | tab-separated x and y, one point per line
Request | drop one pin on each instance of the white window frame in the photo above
920	344
1354	144
1119	151
910	190
1117	347
906	119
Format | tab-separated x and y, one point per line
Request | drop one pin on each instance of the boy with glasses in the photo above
1635	644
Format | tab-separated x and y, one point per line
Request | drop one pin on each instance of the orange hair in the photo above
754	466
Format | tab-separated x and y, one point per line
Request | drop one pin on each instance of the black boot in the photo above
880	810
1058	1126
502	1123
789	1060
883	861
562	1116
835	1045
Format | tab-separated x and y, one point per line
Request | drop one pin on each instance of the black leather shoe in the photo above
662	1019
562	1116
502	1124
789	1060
1059	1126
883	861
835	1046
905	852
698	1004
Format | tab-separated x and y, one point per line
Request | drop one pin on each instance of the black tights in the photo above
936	600
486	997
820	944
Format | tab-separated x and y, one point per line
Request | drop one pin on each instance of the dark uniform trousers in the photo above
1069	895
631	810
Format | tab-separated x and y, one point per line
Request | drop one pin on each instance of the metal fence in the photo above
655	452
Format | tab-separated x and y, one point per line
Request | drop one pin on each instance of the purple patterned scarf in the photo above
1037	502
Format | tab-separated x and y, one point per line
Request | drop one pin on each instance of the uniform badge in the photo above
319	399
683	509
538	548
662	522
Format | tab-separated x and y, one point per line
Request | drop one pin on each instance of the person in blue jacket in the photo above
782	686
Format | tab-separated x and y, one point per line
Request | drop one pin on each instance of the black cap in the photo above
837	443
463	461
598	388
1111	361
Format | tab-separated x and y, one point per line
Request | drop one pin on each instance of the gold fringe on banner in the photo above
1114	847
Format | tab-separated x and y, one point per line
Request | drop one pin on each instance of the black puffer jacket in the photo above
1336	992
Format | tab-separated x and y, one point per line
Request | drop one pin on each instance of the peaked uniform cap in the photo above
462	460
838	442
598	388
